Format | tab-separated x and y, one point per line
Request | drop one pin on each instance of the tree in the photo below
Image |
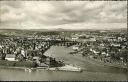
20	57
124	53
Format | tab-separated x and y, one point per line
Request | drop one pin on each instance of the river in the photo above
92	70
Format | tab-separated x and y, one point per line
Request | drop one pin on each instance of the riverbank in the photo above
28	64
118	65
101	63
67	68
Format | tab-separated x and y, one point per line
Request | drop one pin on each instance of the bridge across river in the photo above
56	42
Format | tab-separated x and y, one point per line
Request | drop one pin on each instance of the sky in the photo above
63	14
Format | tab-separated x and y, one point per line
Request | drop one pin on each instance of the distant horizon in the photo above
60	29
80	26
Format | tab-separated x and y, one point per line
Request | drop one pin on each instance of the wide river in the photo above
92	70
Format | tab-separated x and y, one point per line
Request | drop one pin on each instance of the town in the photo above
105	46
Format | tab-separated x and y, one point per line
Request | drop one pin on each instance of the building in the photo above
75	47
10	57
75	38
43	65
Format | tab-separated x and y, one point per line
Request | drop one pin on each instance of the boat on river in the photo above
66	68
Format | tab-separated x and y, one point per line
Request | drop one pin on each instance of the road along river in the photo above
92	69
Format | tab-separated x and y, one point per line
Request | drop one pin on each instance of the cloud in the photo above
11	12
40	14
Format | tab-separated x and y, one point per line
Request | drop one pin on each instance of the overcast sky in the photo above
63	14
